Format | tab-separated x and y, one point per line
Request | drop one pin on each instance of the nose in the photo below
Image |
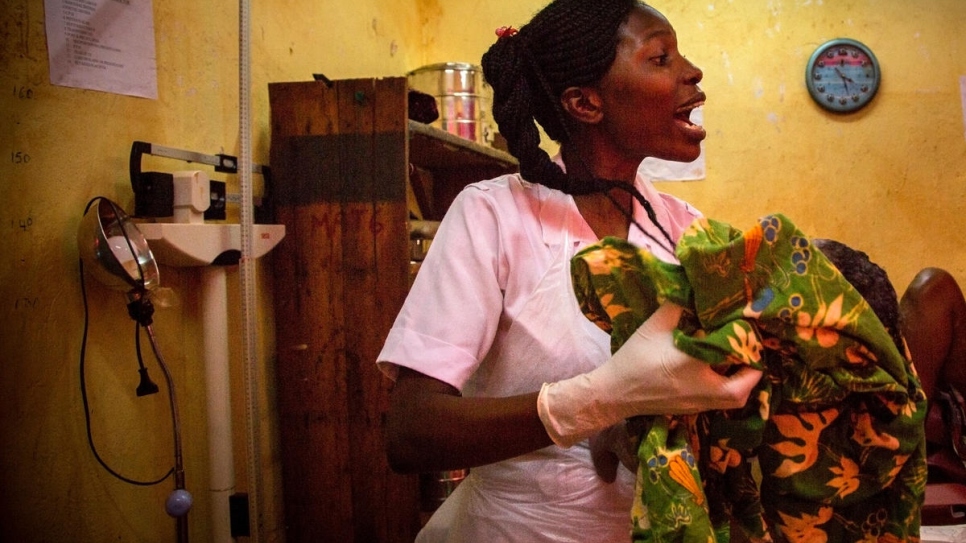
692	74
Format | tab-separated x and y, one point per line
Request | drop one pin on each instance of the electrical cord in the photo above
83	387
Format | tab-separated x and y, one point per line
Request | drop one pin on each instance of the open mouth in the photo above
683	117
683	114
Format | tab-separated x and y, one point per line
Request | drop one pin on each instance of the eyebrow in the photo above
660	32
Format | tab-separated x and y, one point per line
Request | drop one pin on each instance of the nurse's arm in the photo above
431	427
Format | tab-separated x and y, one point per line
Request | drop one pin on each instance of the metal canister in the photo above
435	487
461	94
420	238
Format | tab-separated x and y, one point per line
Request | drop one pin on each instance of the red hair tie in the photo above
506	32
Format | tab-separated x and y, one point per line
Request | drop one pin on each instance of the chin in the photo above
690	156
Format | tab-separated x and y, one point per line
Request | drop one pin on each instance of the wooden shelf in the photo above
442	164
435	149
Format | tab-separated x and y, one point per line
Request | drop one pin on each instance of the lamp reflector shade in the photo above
113	248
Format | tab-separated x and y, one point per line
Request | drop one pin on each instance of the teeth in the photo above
690	107
685	116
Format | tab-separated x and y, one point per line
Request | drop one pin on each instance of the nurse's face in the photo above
649	92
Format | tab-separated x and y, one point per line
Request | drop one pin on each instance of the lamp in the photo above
114	249
117	254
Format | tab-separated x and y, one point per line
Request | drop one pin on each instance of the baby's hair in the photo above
569	43
870	280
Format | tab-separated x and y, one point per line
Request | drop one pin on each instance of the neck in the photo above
607	214
583	160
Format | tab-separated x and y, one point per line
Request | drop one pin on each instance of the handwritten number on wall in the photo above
23	93
22	224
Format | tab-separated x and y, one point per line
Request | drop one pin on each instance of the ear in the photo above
583	104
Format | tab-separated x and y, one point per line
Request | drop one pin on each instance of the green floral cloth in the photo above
836	424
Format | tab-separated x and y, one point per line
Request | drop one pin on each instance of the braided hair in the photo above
569	43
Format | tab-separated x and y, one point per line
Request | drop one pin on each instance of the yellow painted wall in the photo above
77	144
888	180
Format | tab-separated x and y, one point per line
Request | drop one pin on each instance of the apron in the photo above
552	494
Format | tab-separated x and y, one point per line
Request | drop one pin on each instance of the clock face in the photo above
842	75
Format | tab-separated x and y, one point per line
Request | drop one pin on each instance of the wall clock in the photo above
842	75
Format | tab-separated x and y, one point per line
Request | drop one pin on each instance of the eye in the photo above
661	60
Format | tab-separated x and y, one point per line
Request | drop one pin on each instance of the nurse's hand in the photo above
612	448
648	375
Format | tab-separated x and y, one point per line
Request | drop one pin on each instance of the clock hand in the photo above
845	80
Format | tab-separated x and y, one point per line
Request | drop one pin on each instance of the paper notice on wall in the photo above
665	170
104	45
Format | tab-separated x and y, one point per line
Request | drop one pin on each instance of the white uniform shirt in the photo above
492	312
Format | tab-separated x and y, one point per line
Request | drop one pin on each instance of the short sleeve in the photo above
450	317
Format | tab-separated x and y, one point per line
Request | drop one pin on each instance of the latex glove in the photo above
648	375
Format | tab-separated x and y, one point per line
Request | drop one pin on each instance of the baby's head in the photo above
870	280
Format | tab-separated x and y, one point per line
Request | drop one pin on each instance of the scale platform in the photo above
187	245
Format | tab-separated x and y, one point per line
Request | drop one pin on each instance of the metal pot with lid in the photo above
461	94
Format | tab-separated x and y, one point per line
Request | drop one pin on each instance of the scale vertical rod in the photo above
247	267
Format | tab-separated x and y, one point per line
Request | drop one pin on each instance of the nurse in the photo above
495	367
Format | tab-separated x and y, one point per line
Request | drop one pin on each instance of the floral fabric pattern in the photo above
836	423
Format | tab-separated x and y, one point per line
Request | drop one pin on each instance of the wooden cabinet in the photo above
341	158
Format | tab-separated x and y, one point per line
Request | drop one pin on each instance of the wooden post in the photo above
339	163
